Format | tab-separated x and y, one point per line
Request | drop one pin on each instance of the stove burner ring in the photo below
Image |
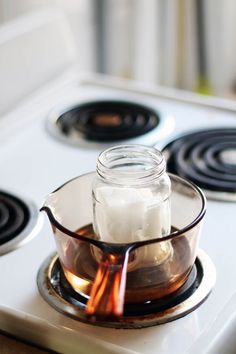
17	222
208	158
14	215
55	289
105	121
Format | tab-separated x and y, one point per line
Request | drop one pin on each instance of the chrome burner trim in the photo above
190	304
29	232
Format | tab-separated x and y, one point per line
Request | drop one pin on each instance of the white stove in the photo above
34	161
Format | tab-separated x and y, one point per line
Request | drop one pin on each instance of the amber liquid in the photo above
144	282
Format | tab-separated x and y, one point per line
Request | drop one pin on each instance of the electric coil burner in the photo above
208	158
17	219
56	290
104	122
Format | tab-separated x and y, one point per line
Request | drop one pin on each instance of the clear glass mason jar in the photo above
131	195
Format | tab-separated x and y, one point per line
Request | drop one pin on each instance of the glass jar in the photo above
131	195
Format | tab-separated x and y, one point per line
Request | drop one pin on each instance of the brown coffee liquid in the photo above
145	280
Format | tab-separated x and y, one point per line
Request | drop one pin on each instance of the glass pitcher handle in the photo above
108	291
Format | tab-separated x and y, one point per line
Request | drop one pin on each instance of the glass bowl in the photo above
111	274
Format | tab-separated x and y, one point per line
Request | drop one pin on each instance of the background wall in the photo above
80	14
188	44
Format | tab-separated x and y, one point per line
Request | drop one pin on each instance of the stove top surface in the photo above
33	163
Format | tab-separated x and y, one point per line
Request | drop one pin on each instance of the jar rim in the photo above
130	164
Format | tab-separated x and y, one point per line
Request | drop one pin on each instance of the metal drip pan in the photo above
194	292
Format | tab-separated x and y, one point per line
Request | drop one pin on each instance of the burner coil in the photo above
207	157
14	215
108	120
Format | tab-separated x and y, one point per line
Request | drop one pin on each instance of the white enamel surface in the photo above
32	163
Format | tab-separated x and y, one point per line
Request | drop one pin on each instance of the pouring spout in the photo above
49	213
57	226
